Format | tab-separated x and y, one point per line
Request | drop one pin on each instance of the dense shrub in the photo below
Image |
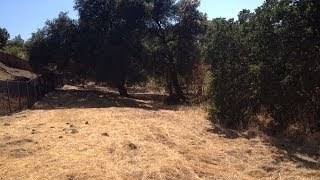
268	59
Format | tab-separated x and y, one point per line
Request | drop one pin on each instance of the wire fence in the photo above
18	95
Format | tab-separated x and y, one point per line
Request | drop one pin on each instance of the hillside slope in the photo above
96	135
8	73
14	62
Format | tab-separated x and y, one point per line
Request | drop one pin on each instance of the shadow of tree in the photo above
92	98
225	133
306	155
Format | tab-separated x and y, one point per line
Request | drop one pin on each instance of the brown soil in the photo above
72	134
8	73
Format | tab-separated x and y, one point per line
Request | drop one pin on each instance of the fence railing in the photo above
18	95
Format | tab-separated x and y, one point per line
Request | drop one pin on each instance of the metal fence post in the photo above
39	88
19	95
35	90
18	91
28	94
8	92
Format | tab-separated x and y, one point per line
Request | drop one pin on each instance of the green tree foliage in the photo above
110	34
190	27
38	51
52	48
227	55
175	28
268	59
118	41
286	39
4	36
17	47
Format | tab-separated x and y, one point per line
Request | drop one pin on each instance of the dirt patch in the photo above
20	153
9	73
19	142
71	131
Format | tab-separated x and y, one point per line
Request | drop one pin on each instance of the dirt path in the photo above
96	135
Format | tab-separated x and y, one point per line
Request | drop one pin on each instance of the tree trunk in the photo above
169	85
173	78
177	88
174	88
122	90
121	77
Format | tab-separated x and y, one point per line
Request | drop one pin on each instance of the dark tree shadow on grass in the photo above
92	98
306	155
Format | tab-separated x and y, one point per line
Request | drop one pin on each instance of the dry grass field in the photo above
93	134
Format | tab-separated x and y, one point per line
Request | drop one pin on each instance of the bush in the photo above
268	59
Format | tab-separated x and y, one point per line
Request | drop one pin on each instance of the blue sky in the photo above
26	16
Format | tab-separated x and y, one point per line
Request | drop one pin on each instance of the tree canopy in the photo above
53	47
122	41
267	59
16	47
4	36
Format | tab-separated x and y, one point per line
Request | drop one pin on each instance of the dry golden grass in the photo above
97	135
